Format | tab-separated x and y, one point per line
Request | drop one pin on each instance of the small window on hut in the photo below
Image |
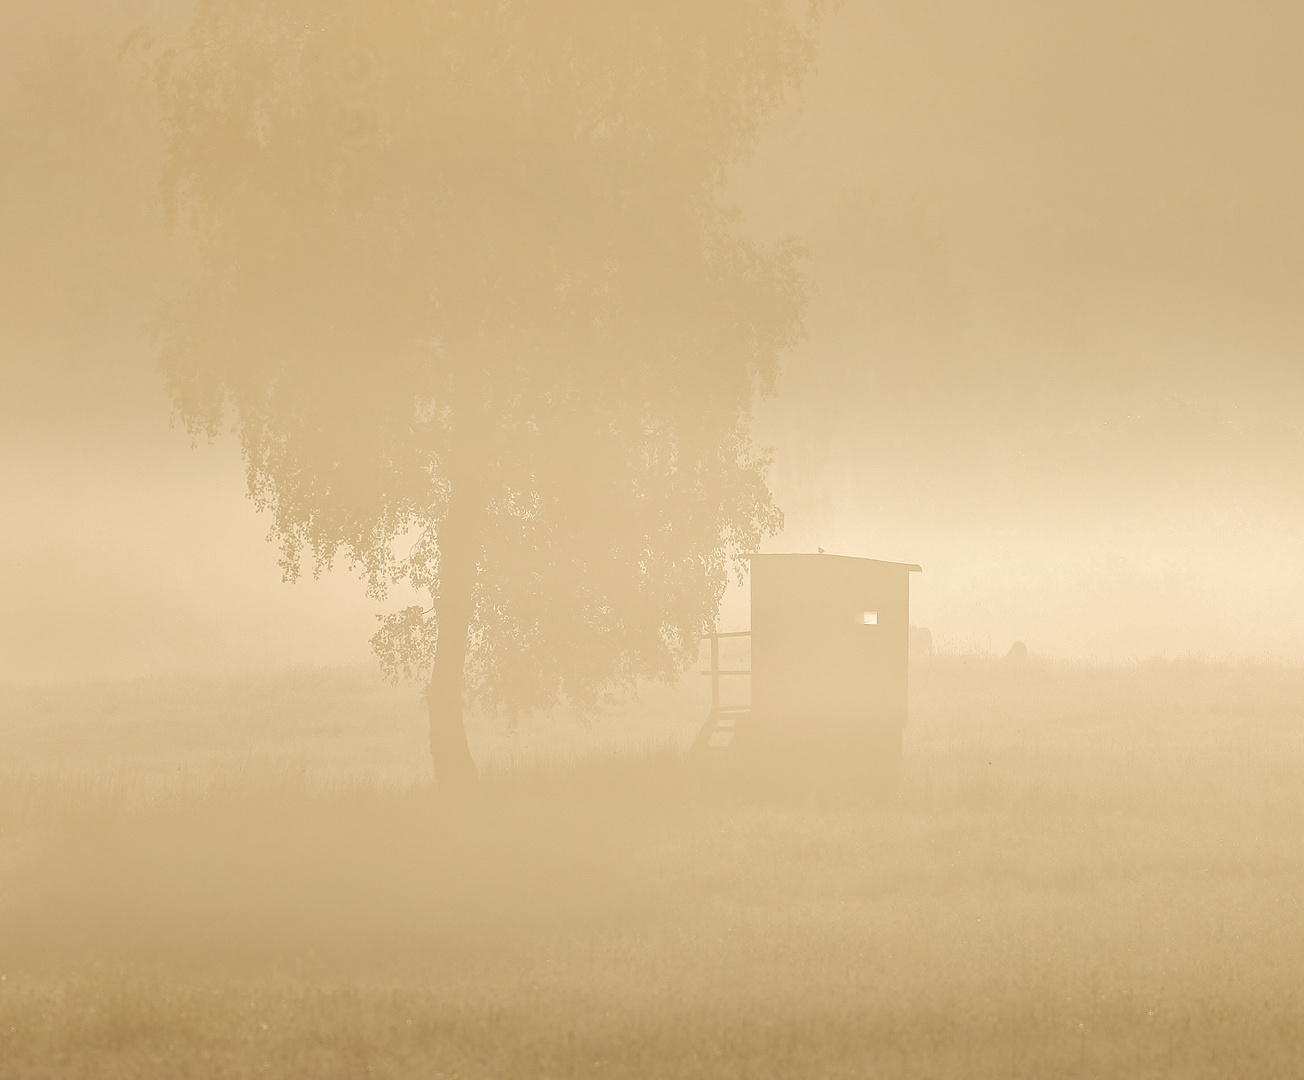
868	618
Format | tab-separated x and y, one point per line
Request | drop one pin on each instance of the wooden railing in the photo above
718	731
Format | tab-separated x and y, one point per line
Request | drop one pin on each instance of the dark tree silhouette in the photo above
471	283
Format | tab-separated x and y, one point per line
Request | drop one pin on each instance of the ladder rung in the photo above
717	733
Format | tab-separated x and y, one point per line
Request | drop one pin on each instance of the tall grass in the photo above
1090	871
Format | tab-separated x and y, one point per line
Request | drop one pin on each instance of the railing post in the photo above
715	673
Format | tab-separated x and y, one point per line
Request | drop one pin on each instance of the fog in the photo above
1053	353
1079	333
405	403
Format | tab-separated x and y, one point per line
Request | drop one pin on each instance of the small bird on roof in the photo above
820	550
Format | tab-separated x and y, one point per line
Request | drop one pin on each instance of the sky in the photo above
1054	353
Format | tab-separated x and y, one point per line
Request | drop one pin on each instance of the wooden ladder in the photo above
723	721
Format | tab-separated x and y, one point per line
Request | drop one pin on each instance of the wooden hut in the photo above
829	666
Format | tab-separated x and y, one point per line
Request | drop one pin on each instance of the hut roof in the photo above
909	567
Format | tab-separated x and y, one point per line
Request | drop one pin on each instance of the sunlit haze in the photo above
1053	352
651	539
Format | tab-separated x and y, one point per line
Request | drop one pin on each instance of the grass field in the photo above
1090	872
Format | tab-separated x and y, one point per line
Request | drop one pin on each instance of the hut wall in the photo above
824	680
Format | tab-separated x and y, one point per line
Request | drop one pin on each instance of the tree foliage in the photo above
85	256
475	261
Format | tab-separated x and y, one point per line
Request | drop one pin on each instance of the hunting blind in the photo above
829	664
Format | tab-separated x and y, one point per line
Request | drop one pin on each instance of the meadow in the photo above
1090	871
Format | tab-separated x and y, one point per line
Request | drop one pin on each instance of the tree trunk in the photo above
455	769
